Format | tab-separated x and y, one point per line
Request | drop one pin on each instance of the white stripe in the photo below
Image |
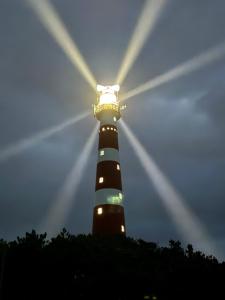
108	154
109	196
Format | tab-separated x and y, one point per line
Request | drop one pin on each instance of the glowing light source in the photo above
101	180
115	199
107	99
116	88
52	22
183	69
58	212
26	143
122	228
100	88
187	223
145	25
108	88
100	211
107	94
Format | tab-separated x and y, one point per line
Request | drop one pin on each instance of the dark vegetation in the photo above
89	267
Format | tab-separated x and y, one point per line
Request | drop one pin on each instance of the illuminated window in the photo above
115	199
103	129
101	179
111	128
114	119
118	167
122	228
114	129
102	152
100	210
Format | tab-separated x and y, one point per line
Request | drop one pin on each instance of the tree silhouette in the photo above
92	267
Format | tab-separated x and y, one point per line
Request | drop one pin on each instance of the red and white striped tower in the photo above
108	217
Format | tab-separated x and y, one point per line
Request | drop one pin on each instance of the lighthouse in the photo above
108	215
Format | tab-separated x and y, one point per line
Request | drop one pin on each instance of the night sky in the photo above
181	123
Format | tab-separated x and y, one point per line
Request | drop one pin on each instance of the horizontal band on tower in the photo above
108	137
108	175
109	196
108	154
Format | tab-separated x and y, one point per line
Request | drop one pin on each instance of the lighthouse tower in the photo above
108	217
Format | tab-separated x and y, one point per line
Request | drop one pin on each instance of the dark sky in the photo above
182	123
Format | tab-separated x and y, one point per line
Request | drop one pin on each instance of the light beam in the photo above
187	222
185	68
55	219
26	143
145	25
54	25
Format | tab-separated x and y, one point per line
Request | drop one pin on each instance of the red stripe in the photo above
111	176
110	221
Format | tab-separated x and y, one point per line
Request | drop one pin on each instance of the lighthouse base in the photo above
108	219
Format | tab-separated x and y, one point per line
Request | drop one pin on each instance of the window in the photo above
122	228
120	196
102	152
114	119
101	179
118	167
107	128
100	211
103	128
111	128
